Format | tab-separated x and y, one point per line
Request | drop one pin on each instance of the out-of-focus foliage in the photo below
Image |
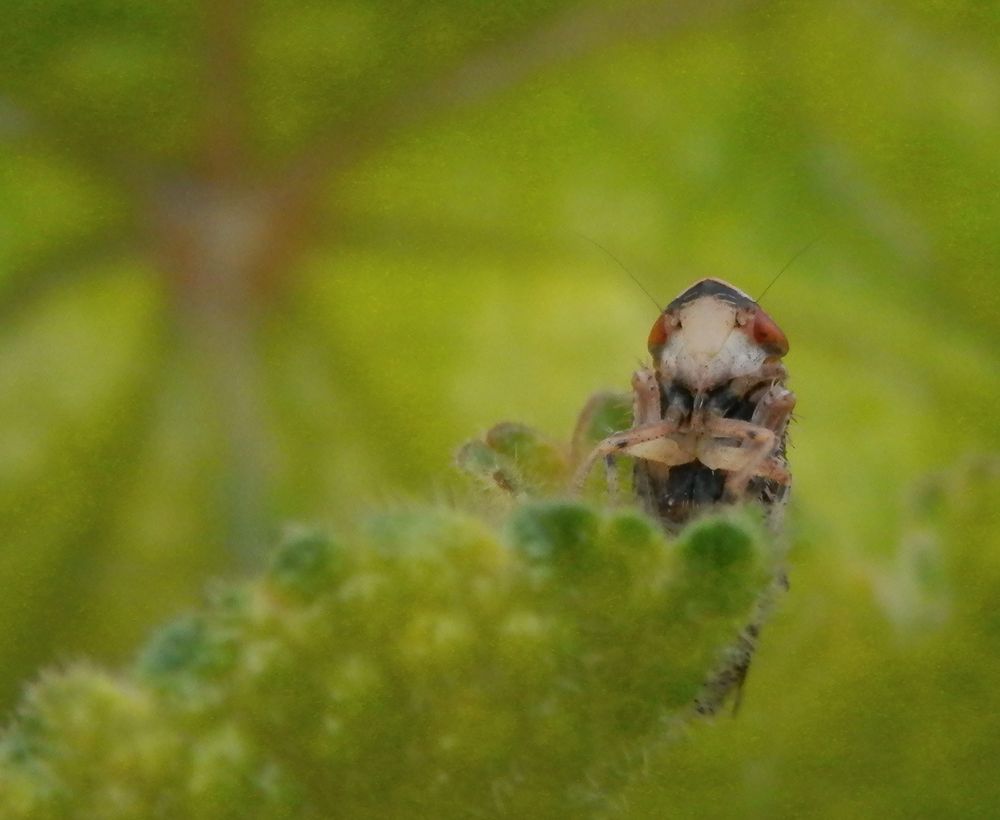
271	260
867	705
438	671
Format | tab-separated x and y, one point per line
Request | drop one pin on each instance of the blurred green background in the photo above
271	261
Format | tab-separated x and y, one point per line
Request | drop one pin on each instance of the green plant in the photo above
435	665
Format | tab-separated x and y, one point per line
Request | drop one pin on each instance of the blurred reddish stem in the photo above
225	105
228	244
227	239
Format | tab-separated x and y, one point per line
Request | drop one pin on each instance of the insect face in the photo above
711	334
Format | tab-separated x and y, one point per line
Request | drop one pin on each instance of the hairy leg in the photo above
659	441
742	448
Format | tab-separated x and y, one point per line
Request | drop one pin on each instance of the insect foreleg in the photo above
645	397
774	409
723	398
752	454
658	441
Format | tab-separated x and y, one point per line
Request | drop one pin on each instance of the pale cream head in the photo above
712	333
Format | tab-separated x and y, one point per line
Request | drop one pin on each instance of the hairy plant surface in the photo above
436	667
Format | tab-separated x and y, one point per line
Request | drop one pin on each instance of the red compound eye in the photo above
768	335
659	334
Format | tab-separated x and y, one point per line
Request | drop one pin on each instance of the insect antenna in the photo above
618	262
789	263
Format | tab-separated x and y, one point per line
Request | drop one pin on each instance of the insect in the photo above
710	416
709	428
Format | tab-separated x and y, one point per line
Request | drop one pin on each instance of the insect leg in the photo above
657	441
645	397
604	413
611	477
774	409
645	410
752	454
752	386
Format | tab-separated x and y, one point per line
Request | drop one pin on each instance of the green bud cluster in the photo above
438	667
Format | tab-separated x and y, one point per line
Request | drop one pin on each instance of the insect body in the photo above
710	415
709	422
708	428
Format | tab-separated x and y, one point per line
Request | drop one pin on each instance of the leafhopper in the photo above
710	415
709	428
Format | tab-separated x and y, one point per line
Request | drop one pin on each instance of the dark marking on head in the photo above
712	287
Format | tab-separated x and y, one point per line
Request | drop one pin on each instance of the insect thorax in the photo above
678	493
